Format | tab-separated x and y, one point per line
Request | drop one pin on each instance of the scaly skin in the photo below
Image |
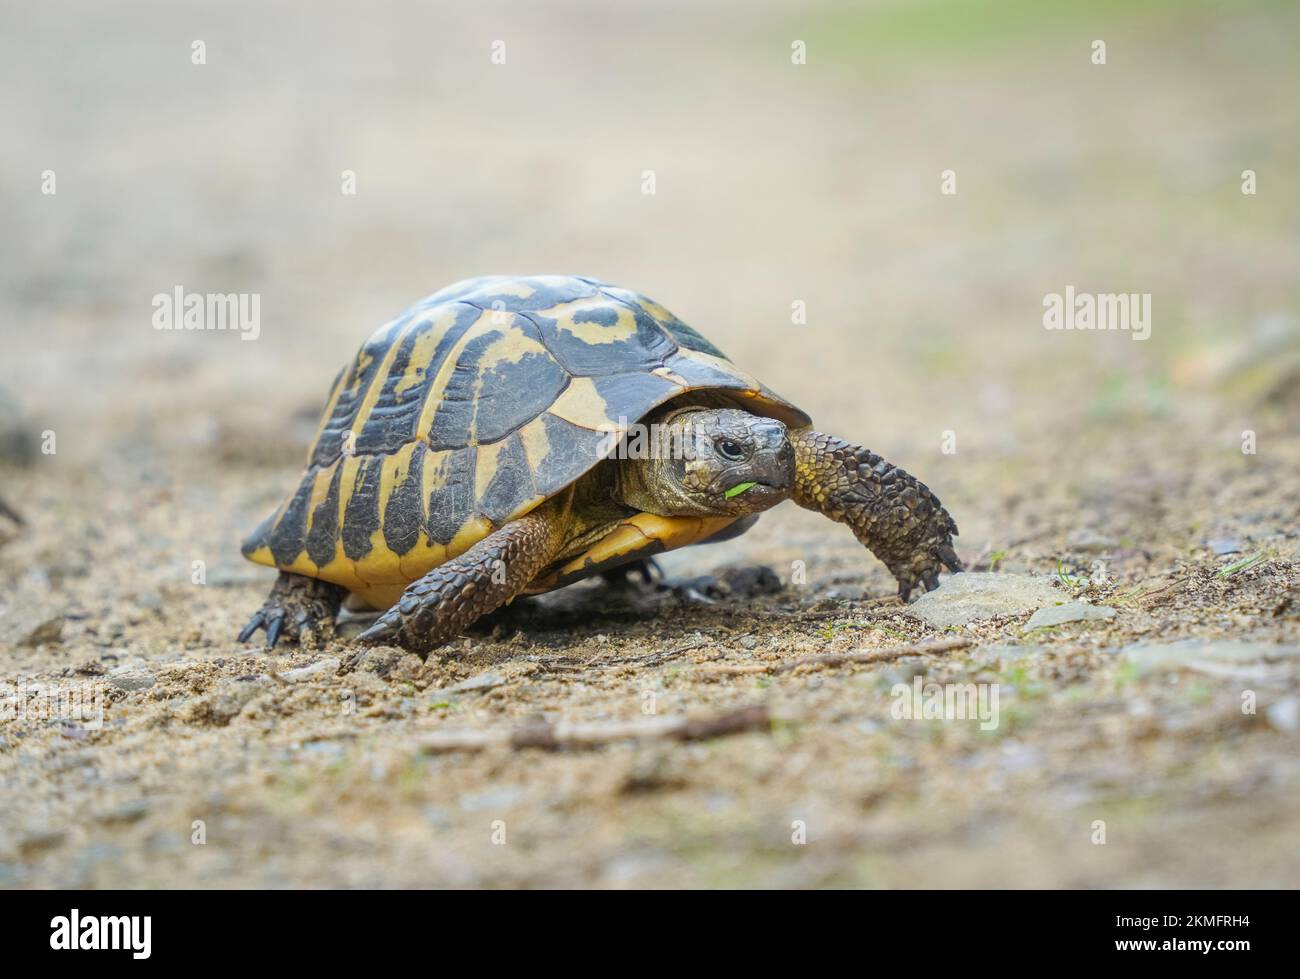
892	513
889	510
301	608
442	604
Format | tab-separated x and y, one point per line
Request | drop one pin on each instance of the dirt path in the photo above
1112	469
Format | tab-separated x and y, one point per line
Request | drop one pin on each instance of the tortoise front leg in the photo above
305	606
443	603
890	511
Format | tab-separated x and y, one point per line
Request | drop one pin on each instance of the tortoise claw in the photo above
274	626
299	609
919	562
254	624
384	631
926	574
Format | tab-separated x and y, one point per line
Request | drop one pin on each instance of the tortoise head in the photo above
702	462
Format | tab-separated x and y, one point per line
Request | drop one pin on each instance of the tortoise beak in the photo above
773	463
770	472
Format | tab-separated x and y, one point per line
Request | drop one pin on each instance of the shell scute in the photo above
472	407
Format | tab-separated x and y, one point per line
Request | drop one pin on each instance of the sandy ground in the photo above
1079	456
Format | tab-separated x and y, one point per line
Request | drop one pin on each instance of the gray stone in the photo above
316	671
1224	545
1227	657
132	681
1069	612
484	681
977	596
1090	541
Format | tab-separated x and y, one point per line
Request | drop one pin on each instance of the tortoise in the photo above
480	446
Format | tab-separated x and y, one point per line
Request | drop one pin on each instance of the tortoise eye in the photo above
730	450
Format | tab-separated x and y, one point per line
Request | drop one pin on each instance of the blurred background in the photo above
775	183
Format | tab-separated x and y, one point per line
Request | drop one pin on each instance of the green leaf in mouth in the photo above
738	489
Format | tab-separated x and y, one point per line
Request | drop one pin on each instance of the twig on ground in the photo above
837	659
652	659
1143	596
550	737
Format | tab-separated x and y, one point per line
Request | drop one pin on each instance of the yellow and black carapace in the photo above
509	435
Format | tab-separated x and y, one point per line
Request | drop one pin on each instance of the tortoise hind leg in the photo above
306	607
442	604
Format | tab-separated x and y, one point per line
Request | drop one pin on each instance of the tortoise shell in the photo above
471	408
